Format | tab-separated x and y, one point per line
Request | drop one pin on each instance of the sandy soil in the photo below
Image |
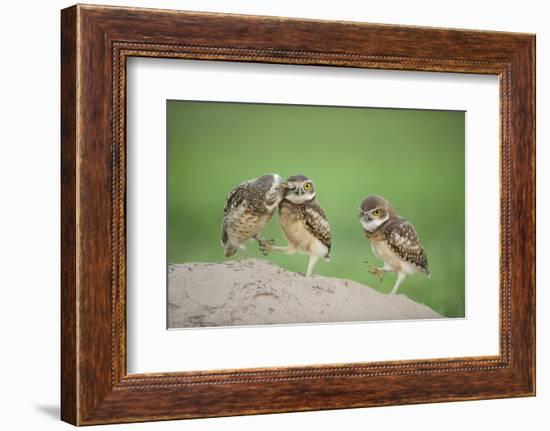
258	292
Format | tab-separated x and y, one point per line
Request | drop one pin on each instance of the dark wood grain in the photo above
68	218
96	41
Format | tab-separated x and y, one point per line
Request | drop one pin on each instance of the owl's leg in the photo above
283	249
400	277
310	265
267	246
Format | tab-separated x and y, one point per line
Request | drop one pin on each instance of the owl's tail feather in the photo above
230	249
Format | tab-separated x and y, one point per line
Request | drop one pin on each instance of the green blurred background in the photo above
414	158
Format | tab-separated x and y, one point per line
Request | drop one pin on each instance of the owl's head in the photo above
374	212
300	189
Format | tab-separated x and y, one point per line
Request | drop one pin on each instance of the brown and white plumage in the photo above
393	240
315	221
303	221
248	209
403	240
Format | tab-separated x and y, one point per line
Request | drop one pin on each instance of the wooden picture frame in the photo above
95	43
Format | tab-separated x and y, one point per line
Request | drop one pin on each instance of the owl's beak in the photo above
364	216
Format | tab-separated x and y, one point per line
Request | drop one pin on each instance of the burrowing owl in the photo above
248	209
393	240
303	221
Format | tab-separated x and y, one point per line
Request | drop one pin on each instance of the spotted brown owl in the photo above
393	240
248	209
303	221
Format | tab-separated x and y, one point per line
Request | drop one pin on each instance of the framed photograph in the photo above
266	215
330	214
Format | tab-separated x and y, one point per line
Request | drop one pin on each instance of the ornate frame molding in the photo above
96	41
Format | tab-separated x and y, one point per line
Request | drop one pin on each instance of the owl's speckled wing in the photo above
236	197
315	221
403	240
235	203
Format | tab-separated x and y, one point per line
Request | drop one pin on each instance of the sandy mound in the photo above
258	292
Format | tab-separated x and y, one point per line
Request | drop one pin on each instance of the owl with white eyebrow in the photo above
393	240
304	223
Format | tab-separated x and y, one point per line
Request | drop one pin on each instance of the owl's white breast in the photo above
298	237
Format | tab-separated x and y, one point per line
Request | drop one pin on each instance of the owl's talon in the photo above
265	246
376	271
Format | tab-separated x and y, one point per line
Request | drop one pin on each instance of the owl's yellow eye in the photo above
307	186
376	212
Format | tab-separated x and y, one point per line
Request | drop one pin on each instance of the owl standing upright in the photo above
303	221
248	209
393	240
